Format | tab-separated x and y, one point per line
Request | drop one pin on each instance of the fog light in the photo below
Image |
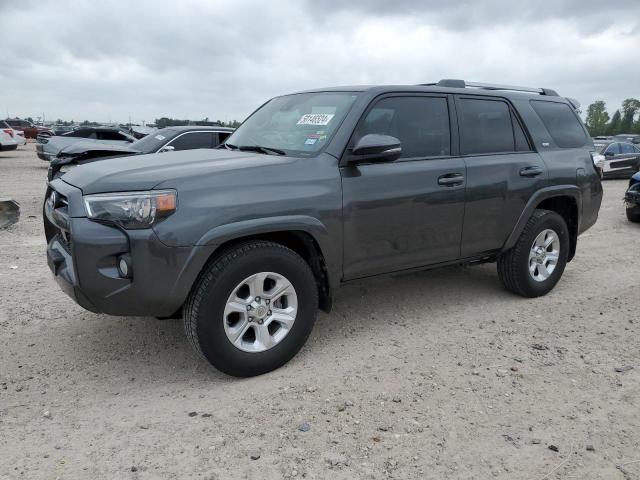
124	266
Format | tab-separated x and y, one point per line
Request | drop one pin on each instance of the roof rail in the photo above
454	83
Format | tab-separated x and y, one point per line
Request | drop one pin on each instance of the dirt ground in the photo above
440	375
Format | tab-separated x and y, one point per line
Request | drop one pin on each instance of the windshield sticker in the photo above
160	137
310	141
315	119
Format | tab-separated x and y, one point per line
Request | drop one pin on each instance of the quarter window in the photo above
562	123
486	126
420	123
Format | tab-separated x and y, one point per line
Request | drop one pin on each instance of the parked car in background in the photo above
627	137
601	141
7	142
164	140
632	199
62	129
319	188
48	147
30	130
618	159
140	131
20	138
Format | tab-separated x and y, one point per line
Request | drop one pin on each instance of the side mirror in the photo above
373	148
167	148
608	154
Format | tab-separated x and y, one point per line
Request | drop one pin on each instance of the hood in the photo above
144	172
56	143
83	150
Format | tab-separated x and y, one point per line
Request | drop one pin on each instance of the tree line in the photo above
174	122
623	119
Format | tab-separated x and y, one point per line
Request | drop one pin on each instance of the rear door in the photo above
407	213
503	171
627	158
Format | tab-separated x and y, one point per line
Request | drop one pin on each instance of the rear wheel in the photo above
536	262
252	309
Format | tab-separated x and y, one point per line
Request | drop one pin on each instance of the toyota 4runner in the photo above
319	188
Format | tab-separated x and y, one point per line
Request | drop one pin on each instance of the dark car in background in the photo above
30	130
619	159
632	199
627	137
47	148
163	140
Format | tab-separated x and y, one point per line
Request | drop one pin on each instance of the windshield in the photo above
152	142
299	125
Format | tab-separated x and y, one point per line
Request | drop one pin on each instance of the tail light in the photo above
9	132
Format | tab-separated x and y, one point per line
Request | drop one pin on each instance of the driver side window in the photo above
420	123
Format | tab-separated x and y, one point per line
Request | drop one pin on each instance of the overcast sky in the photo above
111	60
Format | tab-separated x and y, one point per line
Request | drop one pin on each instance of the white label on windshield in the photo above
315	119
160	137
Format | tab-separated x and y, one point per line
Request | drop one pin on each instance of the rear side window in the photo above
420	123
561	122
627	148
488	126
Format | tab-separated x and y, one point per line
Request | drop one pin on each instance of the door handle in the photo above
532	171
451	179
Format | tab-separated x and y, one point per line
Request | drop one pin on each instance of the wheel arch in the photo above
306	236
565	200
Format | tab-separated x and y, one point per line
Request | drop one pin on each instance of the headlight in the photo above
598	160
131	210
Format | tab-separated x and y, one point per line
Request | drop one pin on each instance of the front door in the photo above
407	213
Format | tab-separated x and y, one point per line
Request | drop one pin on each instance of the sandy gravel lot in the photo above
439	375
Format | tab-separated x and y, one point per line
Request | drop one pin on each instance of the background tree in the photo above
597	118
629	109
614	125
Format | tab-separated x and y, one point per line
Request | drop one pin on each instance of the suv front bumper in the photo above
83	255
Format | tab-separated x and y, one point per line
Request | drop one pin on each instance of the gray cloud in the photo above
194	58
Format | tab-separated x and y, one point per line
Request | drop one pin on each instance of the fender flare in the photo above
330	251
543	194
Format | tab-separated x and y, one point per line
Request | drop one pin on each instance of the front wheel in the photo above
633	214
252	309
536	262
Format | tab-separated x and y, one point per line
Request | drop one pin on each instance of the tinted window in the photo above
522	143
627	148
420	123
109	135
82	133
485	127
222	136
613	148
189	141
562	123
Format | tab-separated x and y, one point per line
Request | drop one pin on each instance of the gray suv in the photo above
320	188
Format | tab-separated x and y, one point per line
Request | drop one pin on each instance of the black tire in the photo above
633	214
513	265
204	310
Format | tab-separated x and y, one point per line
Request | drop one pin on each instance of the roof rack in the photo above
454	83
